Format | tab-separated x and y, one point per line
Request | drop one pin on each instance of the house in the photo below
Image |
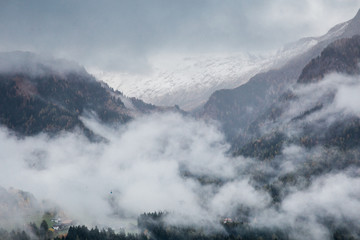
56	220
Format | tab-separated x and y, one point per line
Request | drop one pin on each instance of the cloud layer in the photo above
168	162
141	169
121	35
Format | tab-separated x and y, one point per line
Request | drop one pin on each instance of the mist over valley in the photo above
183	135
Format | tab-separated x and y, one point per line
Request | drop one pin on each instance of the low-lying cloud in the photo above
168	162
121	36
140	169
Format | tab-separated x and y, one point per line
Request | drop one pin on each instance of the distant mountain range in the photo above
44	94
188	81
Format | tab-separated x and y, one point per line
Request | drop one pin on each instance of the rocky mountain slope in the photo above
317	110
237	108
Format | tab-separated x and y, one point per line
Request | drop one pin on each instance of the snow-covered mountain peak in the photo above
188	81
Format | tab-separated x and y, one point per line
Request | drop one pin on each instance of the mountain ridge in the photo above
41	94
340	56
237	108
337	67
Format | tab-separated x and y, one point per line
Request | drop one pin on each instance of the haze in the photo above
122	35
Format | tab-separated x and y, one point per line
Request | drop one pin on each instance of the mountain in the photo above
44	94
311	131
236	109
188	81
313	106
340	56
294	132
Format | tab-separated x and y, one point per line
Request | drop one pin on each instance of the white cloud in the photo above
120	36
142	168
139	170
348	97
333	196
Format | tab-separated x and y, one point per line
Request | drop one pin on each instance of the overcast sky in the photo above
122	34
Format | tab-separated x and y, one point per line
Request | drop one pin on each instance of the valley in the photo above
227	146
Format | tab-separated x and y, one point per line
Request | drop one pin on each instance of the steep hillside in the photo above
340	56
237	108
313	113
42	94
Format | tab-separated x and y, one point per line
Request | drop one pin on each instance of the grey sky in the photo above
120	35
